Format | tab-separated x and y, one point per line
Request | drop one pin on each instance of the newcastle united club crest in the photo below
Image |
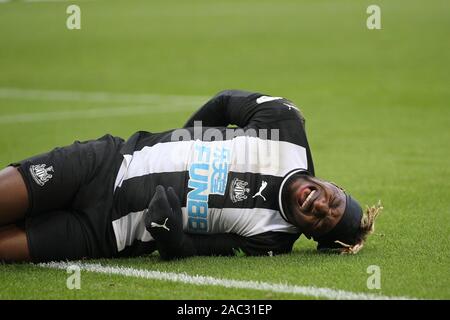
238	190
41	174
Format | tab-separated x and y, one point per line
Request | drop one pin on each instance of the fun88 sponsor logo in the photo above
208	174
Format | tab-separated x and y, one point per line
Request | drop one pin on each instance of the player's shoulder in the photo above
278	109
277	102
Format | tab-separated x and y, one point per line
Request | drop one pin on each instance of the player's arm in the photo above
164	222
242	108
270	243
225	244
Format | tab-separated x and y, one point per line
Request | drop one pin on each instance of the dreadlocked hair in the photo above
367	227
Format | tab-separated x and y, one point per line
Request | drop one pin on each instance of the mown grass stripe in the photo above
93	96
89	113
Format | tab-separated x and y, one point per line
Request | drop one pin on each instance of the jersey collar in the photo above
280	192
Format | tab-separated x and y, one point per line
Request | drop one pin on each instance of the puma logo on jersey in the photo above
261	189
238	190
41	174
157	225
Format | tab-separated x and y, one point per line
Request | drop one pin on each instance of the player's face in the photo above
316	205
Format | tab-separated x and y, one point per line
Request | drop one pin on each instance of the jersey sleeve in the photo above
268	243
256	111
244	109
227	244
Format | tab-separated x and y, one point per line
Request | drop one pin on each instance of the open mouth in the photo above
306	198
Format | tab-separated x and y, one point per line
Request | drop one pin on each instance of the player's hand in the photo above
164	218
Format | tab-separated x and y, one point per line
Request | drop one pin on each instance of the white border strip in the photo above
309	291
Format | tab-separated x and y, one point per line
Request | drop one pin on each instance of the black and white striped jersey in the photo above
228	178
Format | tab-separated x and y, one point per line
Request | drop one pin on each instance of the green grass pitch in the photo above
376	104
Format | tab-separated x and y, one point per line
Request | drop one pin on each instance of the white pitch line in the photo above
86	96
309	291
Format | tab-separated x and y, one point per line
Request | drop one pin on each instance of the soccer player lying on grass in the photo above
207	189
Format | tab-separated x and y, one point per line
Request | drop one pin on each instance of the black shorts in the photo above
71	199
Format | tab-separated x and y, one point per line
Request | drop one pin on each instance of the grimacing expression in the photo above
315	205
